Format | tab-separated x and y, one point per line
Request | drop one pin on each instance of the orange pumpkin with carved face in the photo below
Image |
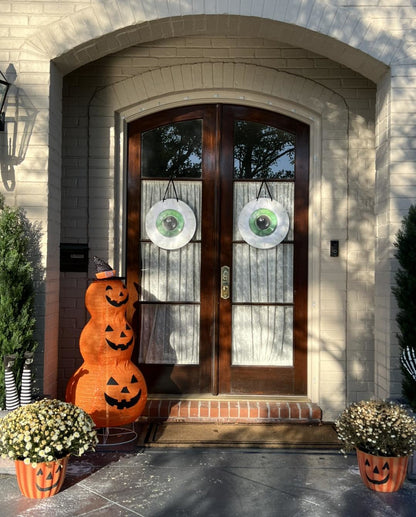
115	396
119	338
106	298
108	340
108	385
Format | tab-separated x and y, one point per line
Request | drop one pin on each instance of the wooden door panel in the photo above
261	381
166	376
287	379
215	372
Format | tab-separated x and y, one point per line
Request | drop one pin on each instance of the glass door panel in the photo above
172	151
262	151
169	334
262	276
262	313
262	335
170	280
192	335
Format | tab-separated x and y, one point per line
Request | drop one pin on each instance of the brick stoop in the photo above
230	411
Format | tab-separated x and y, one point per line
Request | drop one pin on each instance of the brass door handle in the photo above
225	282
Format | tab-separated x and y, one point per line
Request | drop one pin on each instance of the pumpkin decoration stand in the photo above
115	437
108	385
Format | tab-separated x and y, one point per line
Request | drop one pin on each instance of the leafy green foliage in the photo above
405	293
17	322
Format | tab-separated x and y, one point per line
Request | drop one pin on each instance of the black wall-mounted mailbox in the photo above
334	249
74	258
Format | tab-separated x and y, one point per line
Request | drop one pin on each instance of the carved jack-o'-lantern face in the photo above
116	399
119	340
375	475
48	477
106	297
116	295
123	397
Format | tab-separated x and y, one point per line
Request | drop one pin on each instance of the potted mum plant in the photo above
384	436
39	437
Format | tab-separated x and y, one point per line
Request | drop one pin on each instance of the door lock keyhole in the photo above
225	282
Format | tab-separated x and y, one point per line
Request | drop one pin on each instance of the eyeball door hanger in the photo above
263	222
170	223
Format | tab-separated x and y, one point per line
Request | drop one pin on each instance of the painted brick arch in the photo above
107	27
242	77
240	83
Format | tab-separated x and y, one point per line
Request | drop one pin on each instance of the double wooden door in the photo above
217	313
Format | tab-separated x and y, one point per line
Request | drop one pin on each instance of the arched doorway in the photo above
220	315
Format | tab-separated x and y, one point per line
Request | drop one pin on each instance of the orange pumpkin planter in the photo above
380	473
45	480
108	385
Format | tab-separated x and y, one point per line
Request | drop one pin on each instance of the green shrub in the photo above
405	294
17	321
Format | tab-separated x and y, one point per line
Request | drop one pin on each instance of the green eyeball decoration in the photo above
263	223
170	224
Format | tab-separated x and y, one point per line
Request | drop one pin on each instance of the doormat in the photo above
277	436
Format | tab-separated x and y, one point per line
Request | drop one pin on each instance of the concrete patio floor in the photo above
211	482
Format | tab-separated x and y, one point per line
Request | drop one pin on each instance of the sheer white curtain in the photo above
262	334
170	331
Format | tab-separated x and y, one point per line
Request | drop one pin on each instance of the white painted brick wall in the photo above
74	33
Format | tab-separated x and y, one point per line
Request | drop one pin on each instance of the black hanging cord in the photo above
264	184
171	182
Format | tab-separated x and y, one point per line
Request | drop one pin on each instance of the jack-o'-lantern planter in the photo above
380	473
45	480
384	436
108	385
40	437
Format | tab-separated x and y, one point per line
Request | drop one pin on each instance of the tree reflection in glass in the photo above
263	152
173	151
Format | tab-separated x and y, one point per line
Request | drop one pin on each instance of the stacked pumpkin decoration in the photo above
108	385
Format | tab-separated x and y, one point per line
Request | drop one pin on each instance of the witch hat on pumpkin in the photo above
103	270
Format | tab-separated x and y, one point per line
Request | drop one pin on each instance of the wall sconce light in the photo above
15	129
4	88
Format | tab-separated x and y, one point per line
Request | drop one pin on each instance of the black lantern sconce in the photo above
4	88
15	129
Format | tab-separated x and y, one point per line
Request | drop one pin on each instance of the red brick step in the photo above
230	411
